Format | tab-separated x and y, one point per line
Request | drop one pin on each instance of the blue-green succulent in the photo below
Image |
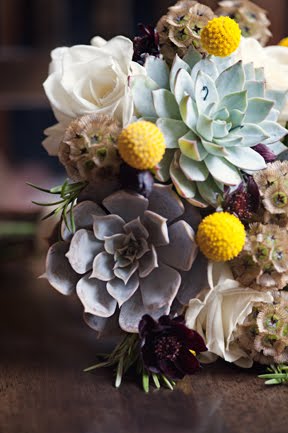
212	111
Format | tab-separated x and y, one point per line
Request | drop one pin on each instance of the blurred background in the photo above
29	30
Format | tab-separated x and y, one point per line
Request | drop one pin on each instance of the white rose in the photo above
225	306
274	60
86	79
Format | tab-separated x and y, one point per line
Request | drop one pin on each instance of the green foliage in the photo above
68	193
277	375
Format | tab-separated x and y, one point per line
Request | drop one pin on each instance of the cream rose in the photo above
225	306
274	59
86	79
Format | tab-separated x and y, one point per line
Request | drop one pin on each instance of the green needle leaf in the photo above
167	383
145	381
156	380
119	373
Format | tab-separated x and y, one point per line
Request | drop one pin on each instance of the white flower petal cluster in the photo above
216	317
87	79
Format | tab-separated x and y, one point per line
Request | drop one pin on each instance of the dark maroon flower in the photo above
244	202
264	151
168	347
140	181
146	44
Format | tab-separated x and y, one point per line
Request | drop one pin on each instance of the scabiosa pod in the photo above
212	112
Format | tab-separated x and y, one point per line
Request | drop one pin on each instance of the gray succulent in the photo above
128	257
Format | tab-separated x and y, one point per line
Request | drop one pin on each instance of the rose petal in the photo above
94	297
165	202
157	228
121	291
160	287
83	218
133	310
127	205
107	225
103	267
148	263
83	249
182	249
58	270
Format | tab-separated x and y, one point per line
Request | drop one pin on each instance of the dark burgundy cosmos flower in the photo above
265	152
140	181
244	202
168	347
146	44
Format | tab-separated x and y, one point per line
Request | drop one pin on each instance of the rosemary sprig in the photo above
277	375
126	355
68	193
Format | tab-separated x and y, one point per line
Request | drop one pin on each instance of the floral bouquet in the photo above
173	225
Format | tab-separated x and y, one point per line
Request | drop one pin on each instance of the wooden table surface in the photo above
44	347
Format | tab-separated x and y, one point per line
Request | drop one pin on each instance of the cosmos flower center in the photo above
167	347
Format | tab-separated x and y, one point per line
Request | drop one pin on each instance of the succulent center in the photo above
167	347
272	322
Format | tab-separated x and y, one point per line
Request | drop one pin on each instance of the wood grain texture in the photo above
45	346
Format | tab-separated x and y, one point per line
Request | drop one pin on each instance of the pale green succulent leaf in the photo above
214	148
210	110
189	112
205	92
177	65
279	97
229	141
275	132
259	74
236	118
183	85
251	134
221	128
165	104
157	69
231	80
193	170
191	147
207	66
222	171
192	57
273	115
245	158
222	63
205	127
258	109
222	114
209	191
197	201
235	101
249	71
162	170
147	119
172	131
255	89
184	187
277	147
142	88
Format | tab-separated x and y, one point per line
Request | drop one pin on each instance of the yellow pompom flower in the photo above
221	36
141	145
221	236
284	42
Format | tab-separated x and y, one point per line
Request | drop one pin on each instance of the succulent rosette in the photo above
212	111
131	256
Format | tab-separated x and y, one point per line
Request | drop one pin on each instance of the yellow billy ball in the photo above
141	145
221	236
